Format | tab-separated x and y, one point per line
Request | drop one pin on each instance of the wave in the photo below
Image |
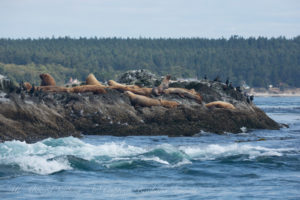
55	155
281	108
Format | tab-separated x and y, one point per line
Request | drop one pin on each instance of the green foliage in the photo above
31	72
258	61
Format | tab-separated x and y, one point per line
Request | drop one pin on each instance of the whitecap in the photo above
214	151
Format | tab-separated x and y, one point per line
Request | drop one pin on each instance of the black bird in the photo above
217	79
32	89
227	81
230	85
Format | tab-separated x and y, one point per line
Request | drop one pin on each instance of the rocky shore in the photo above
38	115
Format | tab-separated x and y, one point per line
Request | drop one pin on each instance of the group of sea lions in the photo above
137	95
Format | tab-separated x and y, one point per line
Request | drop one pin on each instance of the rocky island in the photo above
37	114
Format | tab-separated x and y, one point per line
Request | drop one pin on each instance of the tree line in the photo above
257	61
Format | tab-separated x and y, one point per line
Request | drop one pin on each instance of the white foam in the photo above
37	157
213	151
156	159
49	156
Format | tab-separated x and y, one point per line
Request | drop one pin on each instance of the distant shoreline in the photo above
275	95
275	92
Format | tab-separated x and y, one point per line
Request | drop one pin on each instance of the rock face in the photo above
139	77
40	115
5	83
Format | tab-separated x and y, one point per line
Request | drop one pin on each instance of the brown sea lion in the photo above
47	80
164	85
114	83
147	102
220	104
52	89
27	86
134	89
168	104
96	89
185	93
140	91
91	80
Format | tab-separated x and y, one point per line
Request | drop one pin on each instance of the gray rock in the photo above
33	117
6	84
140	77
55	115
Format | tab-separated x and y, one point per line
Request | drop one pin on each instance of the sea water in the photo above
257	164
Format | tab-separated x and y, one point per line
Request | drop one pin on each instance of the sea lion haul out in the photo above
47	80
137	95
147	102
48	85
92	80
220	104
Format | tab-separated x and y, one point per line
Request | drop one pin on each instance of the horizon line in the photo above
149	38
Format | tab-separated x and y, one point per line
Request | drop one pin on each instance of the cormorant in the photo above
227	81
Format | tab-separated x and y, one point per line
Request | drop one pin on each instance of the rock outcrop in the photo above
5	84
38	115
141	77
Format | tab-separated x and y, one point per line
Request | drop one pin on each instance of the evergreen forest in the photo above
257	61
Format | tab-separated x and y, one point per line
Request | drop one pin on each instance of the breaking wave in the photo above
55	155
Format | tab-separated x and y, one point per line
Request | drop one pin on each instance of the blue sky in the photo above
149	18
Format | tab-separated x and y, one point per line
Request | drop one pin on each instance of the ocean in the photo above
257	164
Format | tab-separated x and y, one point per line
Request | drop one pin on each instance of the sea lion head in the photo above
47	80
111	82
42	76
27	86
92	80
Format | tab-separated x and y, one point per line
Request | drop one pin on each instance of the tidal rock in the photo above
41	114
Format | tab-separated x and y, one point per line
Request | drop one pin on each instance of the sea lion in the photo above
134	89
185	93
168	104
116	84
27	86
52	89
164	85
96	89
140	91
91	80
220	104
47	80
147	102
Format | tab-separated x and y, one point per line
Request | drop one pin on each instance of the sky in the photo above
149	18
